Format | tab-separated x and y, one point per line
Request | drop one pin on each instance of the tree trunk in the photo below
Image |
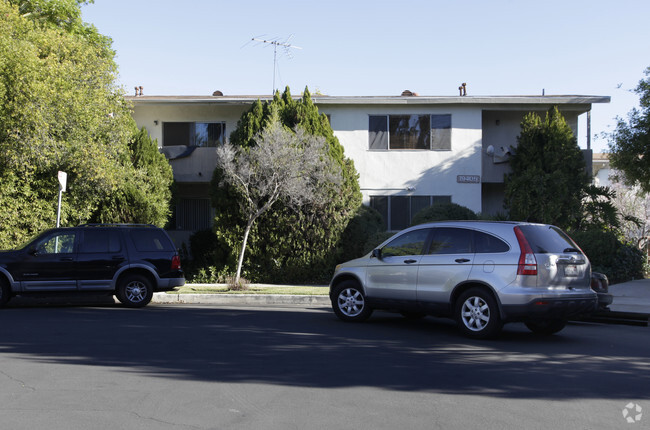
249	225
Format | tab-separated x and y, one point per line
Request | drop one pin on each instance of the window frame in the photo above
380	132
191	137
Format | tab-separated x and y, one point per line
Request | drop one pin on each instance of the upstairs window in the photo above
199	134
423	132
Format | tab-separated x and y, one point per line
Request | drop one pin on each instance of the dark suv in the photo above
128	260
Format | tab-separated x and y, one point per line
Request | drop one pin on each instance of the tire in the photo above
5	293
477	314
349	302
546	327
134	291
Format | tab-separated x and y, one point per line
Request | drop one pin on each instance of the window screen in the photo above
378	132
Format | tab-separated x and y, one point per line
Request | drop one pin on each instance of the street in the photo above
218	367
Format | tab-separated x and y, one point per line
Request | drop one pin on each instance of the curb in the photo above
241	299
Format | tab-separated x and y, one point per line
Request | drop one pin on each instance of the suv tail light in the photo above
176	262
527	260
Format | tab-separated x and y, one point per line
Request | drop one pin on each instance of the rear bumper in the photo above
166	284
551	308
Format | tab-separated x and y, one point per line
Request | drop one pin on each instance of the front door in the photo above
394	274
50	263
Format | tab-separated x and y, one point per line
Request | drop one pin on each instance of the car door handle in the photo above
65	259
462	260
410	261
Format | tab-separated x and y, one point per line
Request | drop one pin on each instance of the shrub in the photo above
365	223
375	240
443	212
609	254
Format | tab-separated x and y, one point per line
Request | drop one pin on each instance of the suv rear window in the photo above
151	240
544	239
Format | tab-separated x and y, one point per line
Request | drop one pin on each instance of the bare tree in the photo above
287	165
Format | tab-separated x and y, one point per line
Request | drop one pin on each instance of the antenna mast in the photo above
286	45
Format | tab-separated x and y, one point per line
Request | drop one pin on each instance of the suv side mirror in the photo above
376	253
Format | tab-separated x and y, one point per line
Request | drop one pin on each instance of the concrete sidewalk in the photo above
631	296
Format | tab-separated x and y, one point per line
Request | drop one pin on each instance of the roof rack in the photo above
116	224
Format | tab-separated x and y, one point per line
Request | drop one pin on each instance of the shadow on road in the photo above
297	347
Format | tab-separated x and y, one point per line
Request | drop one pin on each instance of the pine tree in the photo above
285	244
548	178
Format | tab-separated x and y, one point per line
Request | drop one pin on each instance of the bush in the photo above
365	223
375	240
611	255
443	212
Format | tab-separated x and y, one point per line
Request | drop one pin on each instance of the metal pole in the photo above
58	211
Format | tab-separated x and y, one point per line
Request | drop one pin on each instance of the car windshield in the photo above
545	239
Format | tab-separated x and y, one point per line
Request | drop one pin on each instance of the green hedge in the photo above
611	255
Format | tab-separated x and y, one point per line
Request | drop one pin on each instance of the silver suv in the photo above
480	273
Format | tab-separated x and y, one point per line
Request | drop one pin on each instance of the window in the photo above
424	132
410	243
100	241
398	211
151	240
60	243
200	134
451	241
486	243
193	214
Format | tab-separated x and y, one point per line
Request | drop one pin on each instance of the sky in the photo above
369	48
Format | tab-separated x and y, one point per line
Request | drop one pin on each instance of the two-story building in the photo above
410	151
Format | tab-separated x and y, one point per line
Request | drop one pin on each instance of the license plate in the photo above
570	270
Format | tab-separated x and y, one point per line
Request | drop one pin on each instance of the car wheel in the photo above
477	314
135	291
546	327
5	293
349	302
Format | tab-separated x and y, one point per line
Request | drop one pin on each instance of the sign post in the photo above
63	179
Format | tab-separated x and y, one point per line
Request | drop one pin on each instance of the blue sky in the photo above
497	47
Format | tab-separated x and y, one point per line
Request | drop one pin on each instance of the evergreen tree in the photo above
285	244
548	178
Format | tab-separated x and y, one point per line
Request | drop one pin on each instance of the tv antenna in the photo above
275	43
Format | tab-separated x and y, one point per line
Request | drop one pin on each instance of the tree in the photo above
548	179
282	165
60	109
630	142
288	245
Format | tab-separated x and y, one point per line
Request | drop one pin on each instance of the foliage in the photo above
548	177
611	255
144	193
60	110
443	212
375	240
599	211
633	205
365	223
286	165
630	142
286	245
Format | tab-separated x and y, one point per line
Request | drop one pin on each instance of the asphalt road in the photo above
209	367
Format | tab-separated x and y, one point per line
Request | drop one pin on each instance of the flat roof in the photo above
383	100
